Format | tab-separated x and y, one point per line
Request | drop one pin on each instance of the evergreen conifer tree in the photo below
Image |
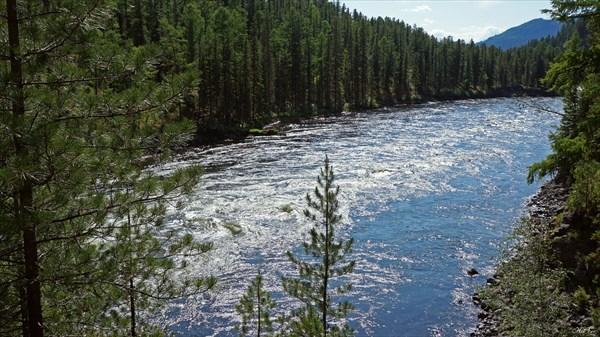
255	307
80	219
326	263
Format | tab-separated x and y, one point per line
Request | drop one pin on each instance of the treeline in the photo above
257	60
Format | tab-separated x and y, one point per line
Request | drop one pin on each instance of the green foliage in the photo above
93	88
318	280
596	318
233	228
326	263
307	323
567	153
265	60
565	72
264	132
575	160
84	250
255	307
581	297
575	75
585	192
530	296
256	131
286	208
139	270
544	168
576	144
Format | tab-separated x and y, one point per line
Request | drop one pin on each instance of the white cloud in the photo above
418	9
428	22
487	3
477	33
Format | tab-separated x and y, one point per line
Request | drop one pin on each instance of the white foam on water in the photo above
386	163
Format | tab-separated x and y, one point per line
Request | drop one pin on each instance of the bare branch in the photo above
157	297
71	81
38	15
524	103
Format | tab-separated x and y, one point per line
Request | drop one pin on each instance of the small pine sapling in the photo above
255	307
326	263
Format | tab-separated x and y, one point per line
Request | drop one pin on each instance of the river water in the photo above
427	192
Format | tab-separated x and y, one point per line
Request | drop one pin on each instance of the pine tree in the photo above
139	269
326	263
255	307
80	110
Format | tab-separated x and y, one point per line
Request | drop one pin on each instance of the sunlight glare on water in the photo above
427	191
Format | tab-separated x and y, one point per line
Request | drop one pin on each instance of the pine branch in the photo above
55	44
71	81
210	284
172	97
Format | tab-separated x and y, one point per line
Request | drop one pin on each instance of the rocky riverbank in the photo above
547	209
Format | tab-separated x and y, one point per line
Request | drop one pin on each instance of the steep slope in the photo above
522	34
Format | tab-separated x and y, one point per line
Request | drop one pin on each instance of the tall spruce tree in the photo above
318	277
79	217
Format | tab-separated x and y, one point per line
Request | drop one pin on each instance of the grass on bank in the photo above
532	296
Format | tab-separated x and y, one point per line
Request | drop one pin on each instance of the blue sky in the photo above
461	19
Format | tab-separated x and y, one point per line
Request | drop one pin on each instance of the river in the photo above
427	191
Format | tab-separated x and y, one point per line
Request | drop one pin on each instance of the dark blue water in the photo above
428	192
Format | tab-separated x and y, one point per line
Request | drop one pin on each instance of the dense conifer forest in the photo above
89	89
261	60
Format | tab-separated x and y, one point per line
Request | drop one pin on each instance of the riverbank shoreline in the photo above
545	205
501	297
276	126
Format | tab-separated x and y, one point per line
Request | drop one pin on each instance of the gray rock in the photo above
492	281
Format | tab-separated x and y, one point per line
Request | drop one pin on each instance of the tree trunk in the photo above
23	308
24	194
132	307
326	255
259	305
34	293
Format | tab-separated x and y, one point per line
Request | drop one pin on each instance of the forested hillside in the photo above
257	60
520	35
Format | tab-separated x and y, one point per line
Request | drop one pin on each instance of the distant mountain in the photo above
522	34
